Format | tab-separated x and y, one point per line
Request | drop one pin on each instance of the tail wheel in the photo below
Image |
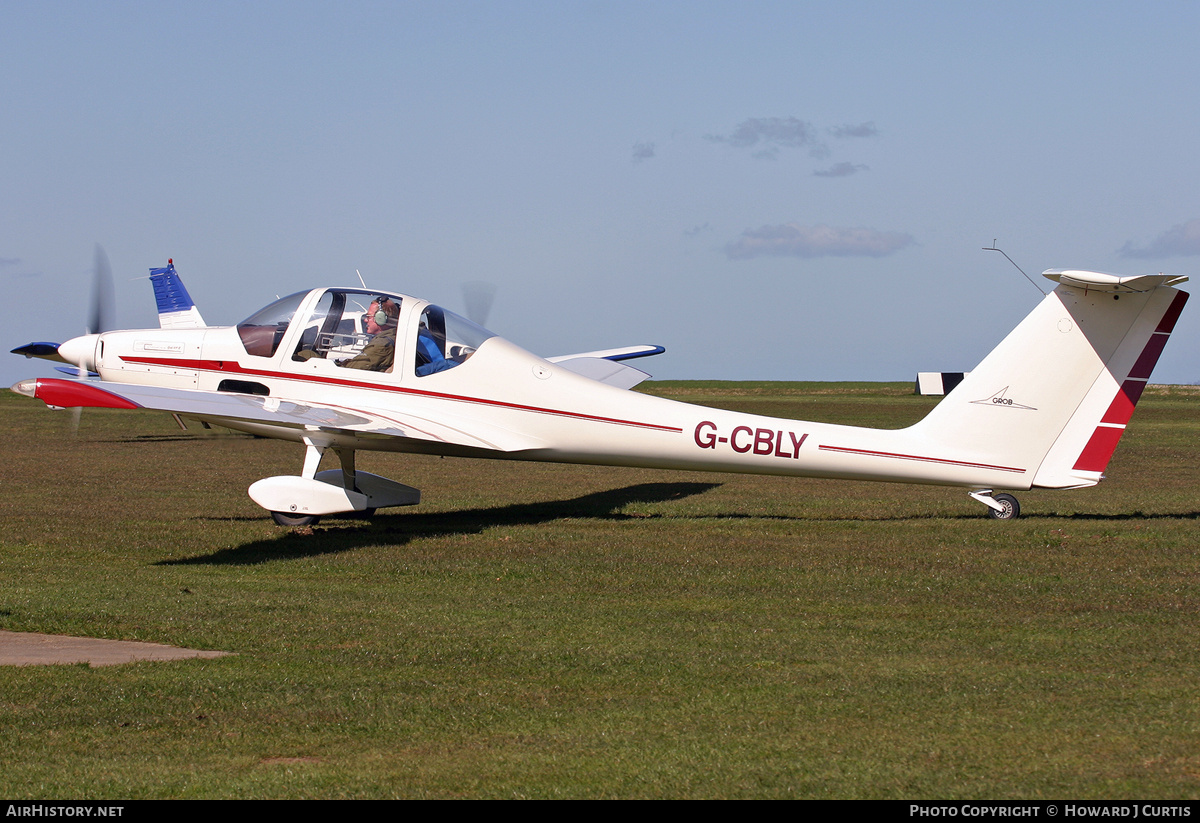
288	519
1010	509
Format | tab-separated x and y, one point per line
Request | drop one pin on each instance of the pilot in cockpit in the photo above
380	353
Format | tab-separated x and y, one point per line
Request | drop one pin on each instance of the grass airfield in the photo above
561	631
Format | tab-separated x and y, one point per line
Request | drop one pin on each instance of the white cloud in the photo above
792	240
781	131
842	169
767	135
1178	241
642	151
859	130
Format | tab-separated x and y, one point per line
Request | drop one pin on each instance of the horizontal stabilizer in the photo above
1112	283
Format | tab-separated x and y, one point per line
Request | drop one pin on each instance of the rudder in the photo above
1082	452
1054	397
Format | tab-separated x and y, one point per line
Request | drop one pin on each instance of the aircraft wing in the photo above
605	366
46	351
624	353
604	371
275	411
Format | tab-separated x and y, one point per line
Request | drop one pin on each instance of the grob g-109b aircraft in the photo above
345	369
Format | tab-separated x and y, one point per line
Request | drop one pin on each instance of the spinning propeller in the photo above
478	297
100	319
81	351
100	316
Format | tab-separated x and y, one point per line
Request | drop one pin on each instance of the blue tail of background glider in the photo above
176	309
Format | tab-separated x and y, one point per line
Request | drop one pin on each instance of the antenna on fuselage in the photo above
1009	259
360	278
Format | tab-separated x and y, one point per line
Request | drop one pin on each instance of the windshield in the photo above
262	331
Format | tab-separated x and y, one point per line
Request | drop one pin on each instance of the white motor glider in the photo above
1044	410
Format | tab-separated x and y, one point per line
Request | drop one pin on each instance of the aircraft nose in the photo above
80	351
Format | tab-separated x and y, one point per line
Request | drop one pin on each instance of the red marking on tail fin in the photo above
1149	356
1121	408
1099	449
1167	324
1103	442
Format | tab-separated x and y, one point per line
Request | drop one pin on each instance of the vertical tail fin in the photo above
1054	397
176	309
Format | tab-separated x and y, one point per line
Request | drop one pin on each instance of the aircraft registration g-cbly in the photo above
345	369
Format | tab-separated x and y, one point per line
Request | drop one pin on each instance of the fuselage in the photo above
495	399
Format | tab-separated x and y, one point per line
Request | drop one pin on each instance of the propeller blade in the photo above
478	297
102	307
100	318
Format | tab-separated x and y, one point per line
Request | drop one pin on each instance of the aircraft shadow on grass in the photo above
1138	515
399	529
912	516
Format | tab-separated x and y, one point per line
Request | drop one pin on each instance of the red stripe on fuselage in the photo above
233	367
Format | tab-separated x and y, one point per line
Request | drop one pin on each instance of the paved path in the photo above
30	649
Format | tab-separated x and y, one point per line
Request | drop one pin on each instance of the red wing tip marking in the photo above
72	393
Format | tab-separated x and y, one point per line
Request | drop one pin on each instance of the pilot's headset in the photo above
381	317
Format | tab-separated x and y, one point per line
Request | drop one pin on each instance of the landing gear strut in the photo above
302	501
1000	506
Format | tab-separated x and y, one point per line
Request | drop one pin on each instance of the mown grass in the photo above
560	631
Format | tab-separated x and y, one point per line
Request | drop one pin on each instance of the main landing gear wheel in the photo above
1010	509
288	519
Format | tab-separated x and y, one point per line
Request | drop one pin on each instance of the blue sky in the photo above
793	191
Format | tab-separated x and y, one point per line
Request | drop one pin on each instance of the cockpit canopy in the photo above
361	329
262	331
